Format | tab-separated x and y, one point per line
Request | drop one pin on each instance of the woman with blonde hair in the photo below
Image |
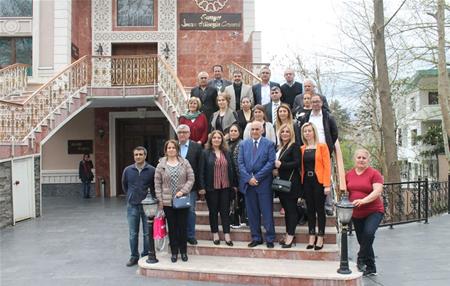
196	120
223	118
259	114
284	116
365	188
287	165
174	178
315	174
217	177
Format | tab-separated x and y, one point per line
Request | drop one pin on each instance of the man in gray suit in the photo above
238	90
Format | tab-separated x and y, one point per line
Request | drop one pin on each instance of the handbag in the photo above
159	228
281	185
182	202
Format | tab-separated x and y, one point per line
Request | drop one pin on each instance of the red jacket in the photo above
322	166
199	128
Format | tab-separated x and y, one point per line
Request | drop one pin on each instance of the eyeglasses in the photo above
265	72
203	77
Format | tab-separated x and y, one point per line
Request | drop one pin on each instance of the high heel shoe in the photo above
286	245
311	246
216	241
317	247
229	243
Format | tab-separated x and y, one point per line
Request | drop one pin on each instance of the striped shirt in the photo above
221	173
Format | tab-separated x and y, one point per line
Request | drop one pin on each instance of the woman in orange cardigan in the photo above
316	174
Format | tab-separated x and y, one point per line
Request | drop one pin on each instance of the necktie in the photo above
255	148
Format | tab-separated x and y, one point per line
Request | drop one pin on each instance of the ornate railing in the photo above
249	75
13	79
414	201
172	87
19	120
110	71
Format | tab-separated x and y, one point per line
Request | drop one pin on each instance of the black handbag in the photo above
182	202
281	185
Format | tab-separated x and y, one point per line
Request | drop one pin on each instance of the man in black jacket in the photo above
207	95
291	88
193	152
261	91
85	174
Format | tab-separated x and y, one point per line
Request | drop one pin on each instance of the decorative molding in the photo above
16	26
102	29
211	5
69	176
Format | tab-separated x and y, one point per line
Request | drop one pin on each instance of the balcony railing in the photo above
19	120
13	79
124	71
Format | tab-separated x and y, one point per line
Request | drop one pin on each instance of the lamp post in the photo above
150	205
344	212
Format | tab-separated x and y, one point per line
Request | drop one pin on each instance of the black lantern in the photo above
344	212
166	51
150	205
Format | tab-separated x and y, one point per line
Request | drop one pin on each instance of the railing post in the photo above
426	200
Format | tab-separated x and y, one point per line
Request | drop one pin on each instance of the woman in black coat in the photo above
287	167
218	179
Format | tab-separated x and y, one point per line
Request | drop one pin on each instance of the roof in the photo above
425	73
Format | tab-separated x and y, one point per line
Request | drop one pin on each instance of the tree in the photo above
384	89
433	138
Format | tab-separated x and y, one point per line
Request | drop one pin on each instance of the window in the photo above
399	136
433	98
414	137
135	13
412	104
15	50
16	8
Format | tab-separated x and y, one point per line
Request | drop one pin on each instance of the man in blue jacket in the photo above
136	180
256	162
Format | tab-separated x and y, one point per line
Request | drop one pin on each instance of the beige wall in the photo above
54	151
46	34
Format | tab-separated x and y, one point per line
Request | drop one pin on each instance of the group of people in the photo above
233	141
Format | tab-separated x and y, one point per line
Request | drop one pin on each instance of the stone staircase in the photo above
259	265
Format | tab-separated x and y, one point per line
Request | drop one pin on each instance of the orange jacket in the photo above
322	165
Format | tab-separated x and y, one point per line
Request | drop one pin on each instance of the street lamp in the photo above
150	205
344	212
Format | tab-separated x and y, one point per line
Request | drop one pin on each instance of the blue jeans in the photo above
86	189
191	216
135	213
365	229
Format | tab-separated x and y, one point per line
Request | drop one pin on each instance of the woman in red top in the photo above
365	186
196	121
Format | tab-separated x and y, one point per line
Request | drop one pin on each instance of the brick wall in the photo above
81	26
201	49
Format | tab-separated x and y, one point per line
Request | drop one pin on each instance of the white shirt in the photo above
265	93
317	120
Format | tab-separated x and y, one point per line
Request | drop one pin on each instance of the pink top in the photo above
360	186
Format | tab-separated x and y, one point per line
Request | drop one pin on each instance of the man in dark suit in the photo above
272	106
206	94
193	152
256	162
218	82
291	88
261	91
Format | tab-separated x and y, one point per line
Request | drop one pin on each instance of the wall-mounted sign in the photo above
210	21
80	147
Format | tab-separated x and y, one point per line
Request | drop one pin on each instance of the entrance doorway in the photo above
23	188
150	133
134	49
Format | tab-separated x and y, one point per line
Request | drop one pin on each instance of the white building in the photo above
417	112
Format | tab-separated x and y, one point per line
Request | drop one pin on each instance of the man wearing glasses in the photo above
261	91
206	94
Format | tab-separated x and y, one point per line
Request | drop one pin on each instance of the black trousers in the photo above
241	214
177	222
219	202
315	204
290	211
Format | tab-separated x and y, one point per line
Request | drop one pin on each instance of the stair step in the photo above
203	218
258	271
202	206
203	232
240	249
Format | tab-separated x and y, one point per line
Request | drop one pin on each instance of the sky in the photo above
289	27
